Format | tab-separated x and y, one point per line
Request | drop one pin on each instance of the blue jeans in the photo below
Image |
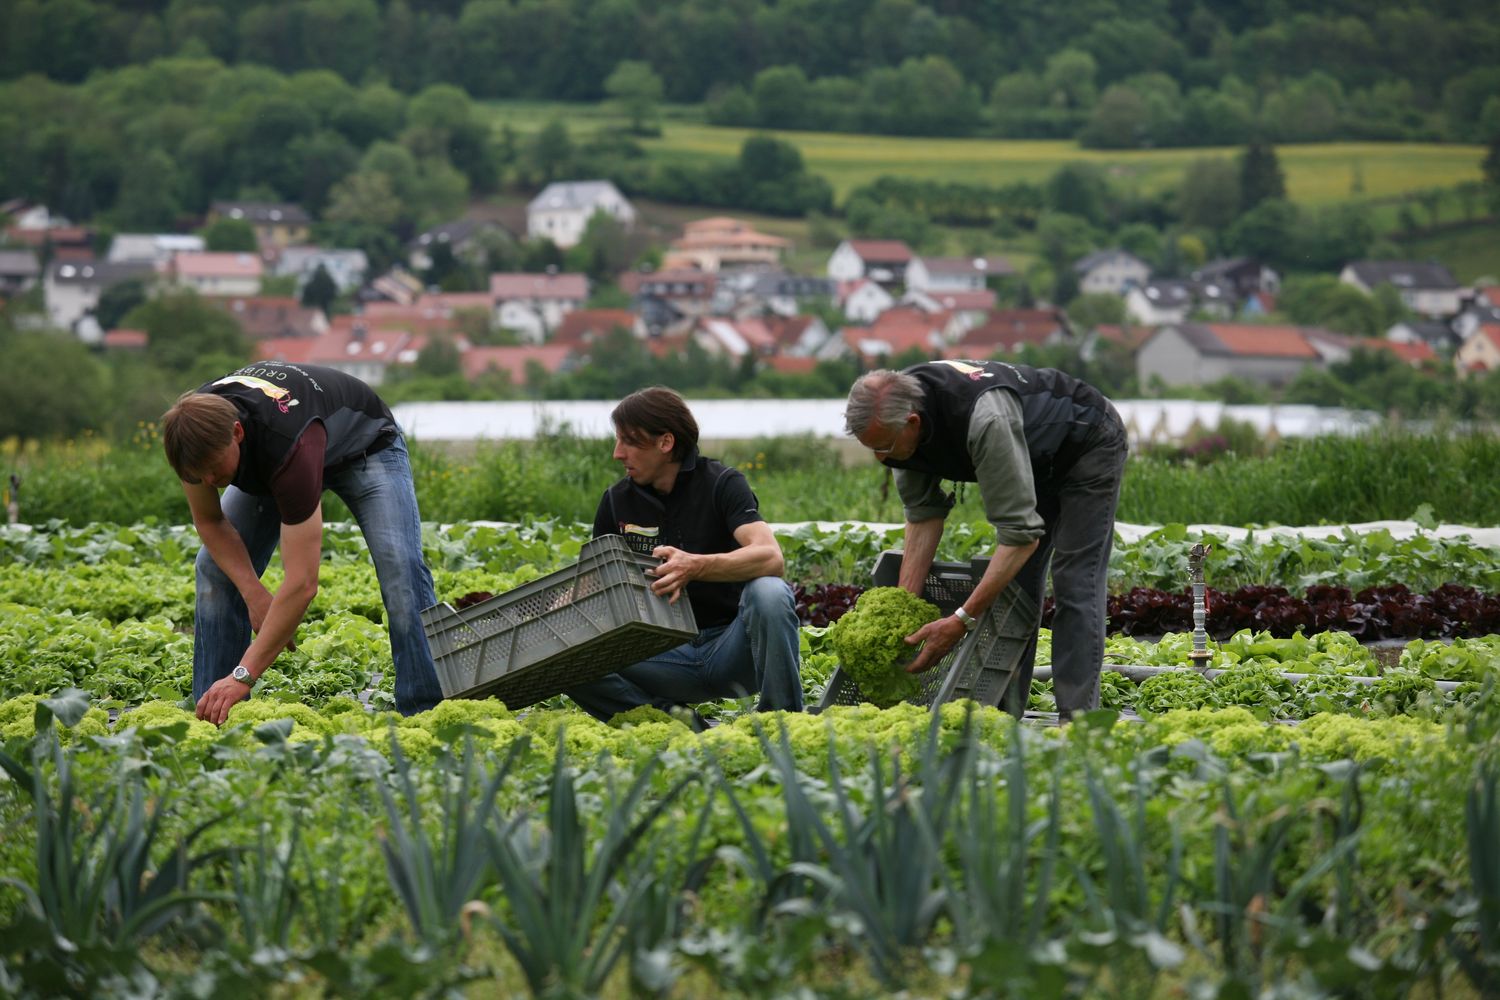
757	652
379	493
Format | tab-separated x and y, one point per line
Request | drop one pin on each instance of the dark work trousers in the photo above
1079	512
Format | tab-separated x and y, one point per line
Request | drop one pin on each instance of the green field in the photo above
1316	174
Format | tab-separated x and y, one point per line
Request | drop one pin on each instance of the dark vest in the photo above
687	518
277	401
1058	411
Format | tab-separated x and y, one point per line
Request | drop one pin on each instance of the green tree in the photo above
1261	177
1096	309
603	250
320	291
1492	172
229	235
1070	80
1209	195
183	330
117	300
52	385
549	152
637	90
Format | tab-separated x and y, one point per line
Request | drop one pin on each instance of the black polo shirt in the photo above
708	503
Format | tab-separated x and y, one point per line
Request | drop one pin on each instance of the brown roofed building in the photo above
1006	331
582	327
269	317
722	243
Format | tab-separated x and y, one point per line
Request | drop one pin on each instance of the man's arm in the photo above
997	445
917	552
228	550
759	555
301	554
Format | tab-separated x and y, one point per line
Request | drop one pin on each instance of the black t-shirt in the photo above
708	503
278	403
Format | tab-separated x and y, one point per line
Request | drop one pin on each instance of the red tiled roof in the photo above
583	325
478	360
904	327
1490	294
1008	329
1251	340
791	365
1412	353
539	286
126	339
210	264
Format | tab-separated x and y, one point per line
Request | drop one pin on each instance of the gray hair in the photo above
884	397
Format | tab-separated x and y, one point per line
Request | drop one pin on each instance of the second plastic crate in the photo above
983	665
569	627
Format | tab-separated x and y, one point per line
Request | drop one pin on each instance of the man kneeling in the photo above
701	520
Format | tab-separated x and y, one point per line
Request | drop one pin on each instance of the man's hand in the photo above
216	702
937	638
676	569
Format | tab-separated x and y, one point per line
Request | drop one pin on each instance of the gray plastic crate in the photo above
571	626
983	664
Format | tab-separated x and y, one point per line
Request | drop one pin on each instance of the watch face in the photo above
241	674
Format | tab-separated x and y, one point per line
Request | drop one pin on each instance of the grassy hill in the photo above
1316	174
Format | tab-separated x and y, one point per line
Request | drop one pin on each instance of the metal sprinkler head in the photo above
1200	656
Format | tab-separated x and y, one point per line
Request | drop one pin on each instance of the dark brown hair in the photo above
653	412
197	427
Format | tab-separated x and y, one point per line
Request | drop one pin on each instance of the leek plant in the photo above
571	902
100	891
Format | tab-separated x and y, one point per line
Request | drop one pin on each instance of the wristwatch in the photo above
969	621
242	674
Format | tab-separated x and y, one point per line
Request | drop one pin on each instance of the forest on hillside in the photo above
1111	73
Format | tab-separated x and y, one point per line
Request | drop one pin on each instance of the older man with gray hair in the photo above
1048	452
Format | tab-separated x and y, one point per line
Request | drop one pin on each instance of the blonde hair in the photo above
197	427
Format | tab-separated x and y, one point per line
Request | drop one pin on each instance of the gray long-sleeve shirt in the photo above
1002	465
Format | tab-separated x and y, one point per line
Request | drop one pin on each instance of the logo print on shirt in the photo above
280	394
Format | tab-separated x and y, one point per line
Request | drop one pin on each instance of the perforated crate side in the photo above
571	626
981	665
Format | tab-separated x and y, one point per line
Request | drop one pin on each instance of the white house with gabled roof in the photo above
562	211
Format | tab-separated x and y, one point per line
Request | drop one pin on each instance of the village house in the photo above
1239	278
19	272
722	243
955	274
152	248
346	267
534	304
1428	289
1434	333
729	338
1110	272
277	225
562	211
666	297
465	239
797	336
1201	353
1005	331
862	300
881	261
1480	352
213	274
582	327
72	289
1479	307
272	317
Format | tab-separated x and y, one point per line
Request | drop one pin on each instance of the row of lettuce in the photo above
846	553
347	655
1198	852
